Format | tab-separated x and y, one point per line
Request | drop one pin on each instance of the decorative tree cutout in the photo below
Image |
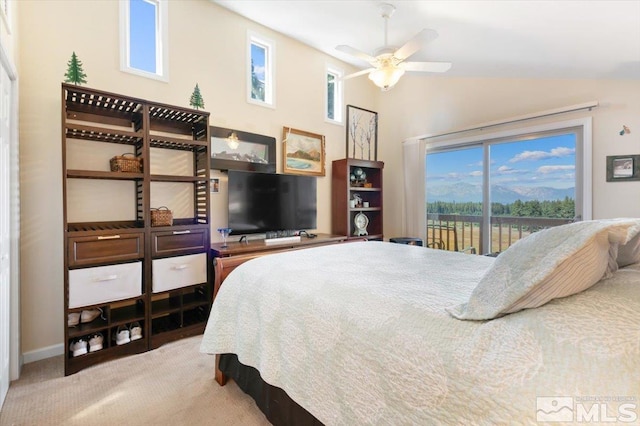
196	100
75	73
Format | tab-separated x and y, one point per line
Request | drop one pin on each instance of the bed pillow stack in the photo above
552	263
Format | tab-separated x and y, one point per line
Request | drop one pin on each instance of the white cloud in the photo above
541	155
259	72
553	169
476	173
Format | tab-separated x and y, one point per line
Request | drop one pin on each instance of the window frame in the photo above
5	14
162	41
583	160
270	69
338	95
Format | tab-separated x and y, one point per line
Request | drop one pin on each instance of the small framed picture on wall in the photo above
622	168
214	185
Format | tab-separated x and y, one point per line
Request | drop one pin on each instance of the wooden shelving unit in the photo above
343	190
95	248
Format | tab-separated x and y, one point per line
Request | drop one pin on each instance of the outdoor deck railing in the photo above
461	232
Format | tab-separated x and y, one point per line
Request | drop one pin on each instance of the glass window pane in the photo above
532	186
454	199
143	35
331	96
258	72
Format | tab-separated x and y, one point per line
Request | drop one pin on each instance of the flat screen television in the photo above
268	202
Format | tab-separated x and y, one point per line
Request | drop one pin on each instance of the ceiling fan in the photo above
388	64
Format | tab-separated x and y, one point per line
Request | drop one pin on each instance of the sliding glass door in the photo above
491	193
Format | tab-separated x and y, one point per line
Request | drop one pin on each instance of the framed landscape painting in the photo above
303	152
362	133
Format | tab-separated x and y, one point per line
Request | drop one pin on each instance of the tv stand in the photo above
248	247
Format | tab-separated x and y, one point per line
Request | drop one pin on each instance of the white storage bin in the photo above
179	271
103	284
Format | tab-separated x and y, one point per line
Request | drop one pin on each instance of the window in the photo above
143	38
333	101
260	70
490	192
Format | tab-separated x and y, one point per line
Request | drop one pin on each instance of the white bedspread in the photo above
358	334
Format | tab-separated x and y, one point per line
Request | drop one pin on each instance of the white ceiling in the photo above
508	38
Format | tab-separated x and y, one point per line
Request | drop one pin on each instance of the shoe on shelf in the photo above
90	315
78	347
95	342
73	319
122	336
135	331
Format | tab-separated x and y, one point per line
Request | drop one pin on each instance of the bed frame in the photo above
222	268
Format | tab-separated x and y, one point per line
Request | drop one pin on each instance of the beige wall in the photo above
207	45
419	106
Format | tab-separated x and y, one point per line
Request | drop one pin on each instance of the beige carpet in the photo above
171	385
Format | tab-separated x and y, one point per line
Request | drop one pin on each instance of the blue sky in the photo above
548	162
257	55
143	36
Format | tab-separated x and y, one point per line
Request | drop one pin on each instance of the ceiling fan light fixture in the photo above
387	77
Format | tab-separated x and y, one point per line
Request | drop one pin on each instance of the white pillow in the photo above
552	263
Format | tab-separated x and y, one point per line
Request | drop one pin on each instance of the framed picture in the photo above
623	168
362	133
215	185
238	150
303	152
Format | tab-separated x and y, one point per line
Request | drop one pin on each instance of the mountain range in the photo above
465	192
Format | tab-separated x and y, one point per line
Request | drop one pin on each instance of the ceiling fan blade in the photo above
358	74
426	66
413	45
355	52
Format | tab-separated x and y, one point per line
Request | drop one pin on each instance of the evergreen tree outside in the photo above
331	88
75	73
563	209
196	100
257	86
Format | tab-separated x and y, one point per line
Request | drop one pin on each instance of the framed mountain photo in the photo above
303	152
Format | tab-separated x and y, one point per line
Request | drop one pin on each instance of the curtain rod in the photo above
572	108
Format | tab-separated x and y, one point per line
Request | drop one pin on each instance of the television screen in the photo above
265	202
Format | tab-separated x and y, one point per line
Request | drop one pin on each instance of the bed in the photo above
382	333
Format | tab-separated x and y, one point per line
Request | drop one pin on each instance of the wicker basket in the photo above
161	216
126	163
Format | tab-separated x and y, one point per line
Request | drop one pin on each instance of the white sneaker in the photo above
135	331
90	315
73	319
95	342
122	336
78	347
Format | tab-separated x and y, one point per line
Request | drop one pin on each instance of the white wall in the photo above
206	46
421	105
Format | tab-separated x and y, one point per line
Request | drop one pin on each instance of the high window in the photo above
260	71
490	192
333	100
143	38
